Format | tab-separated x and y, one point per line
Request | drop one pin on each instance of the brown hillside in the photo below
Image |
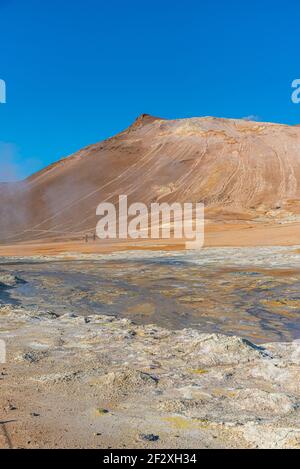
239	169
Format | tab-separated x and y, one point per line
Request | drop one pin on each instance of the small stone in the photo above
149	437
101	411
12	407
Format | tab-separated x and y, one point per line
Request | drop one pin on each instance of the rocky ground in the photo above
100	382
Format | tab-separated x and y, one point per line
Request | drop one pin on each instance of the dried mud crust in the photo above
99	381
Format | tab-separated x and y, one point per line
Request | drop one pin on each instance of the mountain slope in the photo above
237	168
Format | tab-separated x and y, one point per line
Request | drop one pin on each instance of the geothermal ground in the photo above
151	349
139	343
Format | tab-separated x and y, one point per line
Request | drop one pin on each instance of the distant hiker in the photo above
86	238
94	237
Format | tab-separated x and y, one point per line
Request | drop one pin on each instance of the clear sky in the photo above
78	71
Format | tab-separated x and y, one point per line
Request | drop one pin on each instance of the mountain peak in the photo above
144	119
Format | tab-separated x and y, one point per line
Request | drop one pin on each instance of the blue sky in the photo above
80	71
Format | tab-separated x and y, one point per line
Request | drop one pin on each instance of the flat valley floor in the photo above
151	349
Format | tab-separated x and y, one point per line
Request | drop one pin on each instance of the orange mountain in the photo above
241	170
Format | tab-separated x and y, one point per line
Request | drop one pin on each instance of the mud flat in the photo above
97	380
250	292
